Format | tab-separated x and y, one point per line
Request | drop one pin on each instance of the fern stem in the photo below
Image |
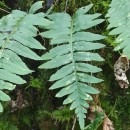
72	51
5	10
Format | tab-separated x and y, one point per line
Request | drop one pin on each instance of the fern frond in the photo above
71	54
17	32
119	19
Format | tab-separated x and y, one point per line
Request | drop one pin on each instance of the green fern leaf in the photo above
17	32
3	96
119	19
71	54
1	108
36	6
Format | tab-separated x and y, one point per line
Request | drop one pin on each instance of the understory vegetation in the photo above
64	65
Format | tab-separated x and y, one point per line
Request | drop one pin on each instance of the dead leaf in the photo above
19	104
120	68
107	124
92	111
95	98
96	108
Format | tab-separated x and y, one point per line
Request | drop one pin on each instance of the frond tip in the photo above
73	54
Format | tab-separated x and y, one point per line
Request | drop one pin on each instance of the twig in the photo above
49	10
113	108
74	123
66	5
4	10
